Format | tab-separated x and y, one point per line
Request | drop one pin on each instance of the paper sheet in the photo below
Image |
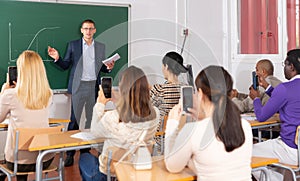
84	136
249	117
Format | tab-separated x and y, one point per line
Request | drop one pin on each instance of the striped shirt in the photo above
165	97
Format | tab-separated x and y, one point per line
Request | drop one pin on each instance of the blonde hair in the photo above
33	88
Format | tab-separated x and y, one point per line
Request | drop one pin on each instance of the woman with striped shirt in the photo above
165	96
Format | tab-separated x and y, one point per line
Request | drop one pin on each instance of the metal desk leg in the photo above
259	135
264	171
61	166
39	166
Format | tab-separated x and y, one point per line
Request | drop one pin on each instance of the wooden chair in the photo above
260	164
22	140
159	150
293	168
114	154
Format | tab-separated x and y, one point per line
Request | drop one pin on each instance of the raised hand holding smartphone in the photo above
255	82
106	84
12	75
186	98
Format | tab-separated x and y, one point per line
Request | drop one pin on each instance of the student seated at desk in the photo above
264	68
165	96
123	126
219	145
284	99
28	104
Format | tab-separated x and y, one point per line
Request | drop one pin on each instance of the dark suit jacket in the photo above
73	58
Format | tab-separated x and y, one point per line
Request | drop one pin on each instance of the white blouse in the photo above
197	146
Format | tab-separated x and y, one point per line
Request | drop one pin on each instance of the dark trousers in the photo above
83	98
25	168
89	168
73	125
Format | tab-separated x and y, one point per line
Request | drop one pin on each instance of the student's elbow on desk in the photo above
172	166
261	117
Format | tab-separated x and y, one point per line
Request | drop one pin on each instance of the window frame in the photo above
282	36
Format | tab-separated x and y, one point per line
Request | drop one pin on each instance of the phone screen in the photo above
255	80
12	74
187	98
106	84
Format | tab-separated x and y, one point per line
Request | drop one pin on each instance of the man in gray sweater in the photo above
265	69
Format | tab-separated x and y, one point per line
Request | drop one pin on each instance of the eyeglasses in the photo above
86	29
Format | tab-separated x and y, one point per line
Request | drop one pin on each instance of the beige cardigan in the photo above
119	134
19	117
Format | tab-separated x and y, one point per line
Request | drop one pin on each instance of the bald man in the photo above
265	69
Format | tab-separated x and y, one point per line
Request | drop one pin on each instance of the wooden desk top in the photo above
262	161
126	171
55	120
273	120
58	140
257	123
51	121
3	125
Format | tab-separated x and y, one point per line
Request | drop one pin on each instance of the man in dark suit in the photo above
85	57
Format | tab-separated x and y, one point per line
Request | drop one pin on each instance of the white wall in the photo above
206	37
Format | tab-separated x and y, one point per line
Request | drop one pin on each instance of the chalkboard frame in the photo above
58	78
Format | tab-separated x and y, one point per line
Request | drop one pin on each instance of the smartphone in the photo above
255	82
106	84
12	74
186	98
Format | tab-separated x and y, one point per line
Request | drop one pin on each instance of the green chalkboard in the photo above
35	25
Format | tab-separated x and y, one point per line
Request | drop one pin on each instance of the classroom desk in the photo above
58	121
261	163
271	122
126	171
3	126
52	122
58	142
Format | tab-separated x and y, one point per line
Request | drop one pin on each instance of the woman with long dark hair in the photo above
219	145
165	96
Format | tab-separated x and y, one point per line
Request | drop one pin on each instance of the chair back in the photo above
113	155
24	136
293	169
21	141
